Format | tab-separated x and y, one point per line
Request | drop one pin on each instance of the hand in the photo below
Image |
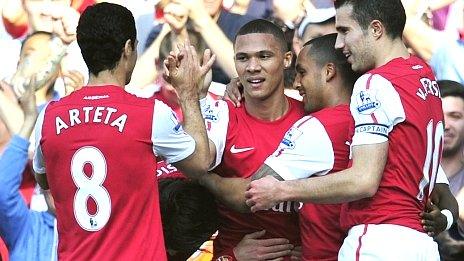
176	16
234	91
65	20
73	80
261	193
29	108
27	101
196	8
184	71
432	220
296	253
252	248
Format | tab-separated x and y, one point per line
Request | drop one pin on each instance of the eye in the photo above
241	58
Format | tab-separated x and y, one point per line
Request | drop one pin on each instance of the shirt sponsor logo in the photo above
367	103
235	150
96	97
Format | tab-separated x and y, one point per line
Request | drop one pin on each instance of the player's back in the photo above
100	167
414	142
249	142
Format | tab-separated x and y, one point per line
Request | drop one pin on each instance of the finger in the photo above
250	202
273	252
207	66
275	242
426	222
8	90
255	235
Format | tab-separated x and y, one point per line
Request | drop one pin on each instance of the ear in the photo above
128	47
288	59
330	72
376	29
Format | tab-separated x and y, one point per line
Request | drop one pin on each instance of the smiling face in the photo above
309	81
453	110
357	44
260	63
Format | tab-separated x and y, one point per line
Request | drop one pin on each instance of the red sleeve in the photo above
3	251
15	30
81	5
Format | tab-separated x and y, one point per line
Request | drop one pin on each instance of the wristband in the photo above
449	218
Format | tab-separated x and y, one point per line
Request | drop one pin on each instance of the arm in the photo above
186	77
13	210
229	191
359	181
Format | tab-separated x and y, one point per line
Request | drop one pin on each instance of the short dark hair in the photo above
451	88
102	32
390	13
322	51
261	26
189	215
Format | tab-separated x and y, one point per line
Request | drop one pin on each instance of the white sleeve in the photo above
441	176
305	150
38	163
376	108
170	141
216	115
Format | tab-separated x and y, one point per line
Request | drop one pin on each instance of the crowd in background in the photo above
38	50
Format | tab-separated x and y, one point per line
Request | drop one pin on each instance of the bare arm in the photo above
229	191
359	181
185	74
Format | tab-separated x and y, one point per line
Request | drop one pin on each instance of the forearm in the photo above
359	181
345	186
219	45
422	38
11	114
194	125
229	191
444	199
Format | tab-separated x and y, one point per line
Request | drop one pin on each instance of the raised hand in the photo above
184	71
252	247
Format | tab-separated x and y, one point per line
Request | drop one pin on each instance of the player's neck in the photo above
452	164
270	109
107	78
390	50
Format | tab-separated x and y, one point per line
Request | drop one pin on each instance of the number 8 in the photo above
90	187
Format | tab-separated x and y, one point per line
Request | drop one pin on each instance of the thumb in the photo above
429	205
255	235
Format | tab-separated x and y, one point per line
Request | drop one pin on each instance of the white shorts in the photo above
389	243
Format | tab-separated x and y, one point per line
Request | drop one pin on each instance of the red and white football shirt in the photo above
97	147
399	103
243	142
317	145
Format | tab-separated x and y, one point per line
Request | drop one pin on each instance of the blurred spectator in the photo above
216	26
29	235
443	50
451	242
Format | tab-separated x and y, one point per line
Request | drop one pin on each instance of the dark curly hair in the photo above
390	13
102	32
189	215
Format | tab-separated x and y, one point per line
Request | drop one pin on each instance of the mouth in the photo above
255	82
347	55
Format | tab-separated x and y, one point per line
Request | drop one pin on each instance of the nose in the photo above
253	65
340	42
